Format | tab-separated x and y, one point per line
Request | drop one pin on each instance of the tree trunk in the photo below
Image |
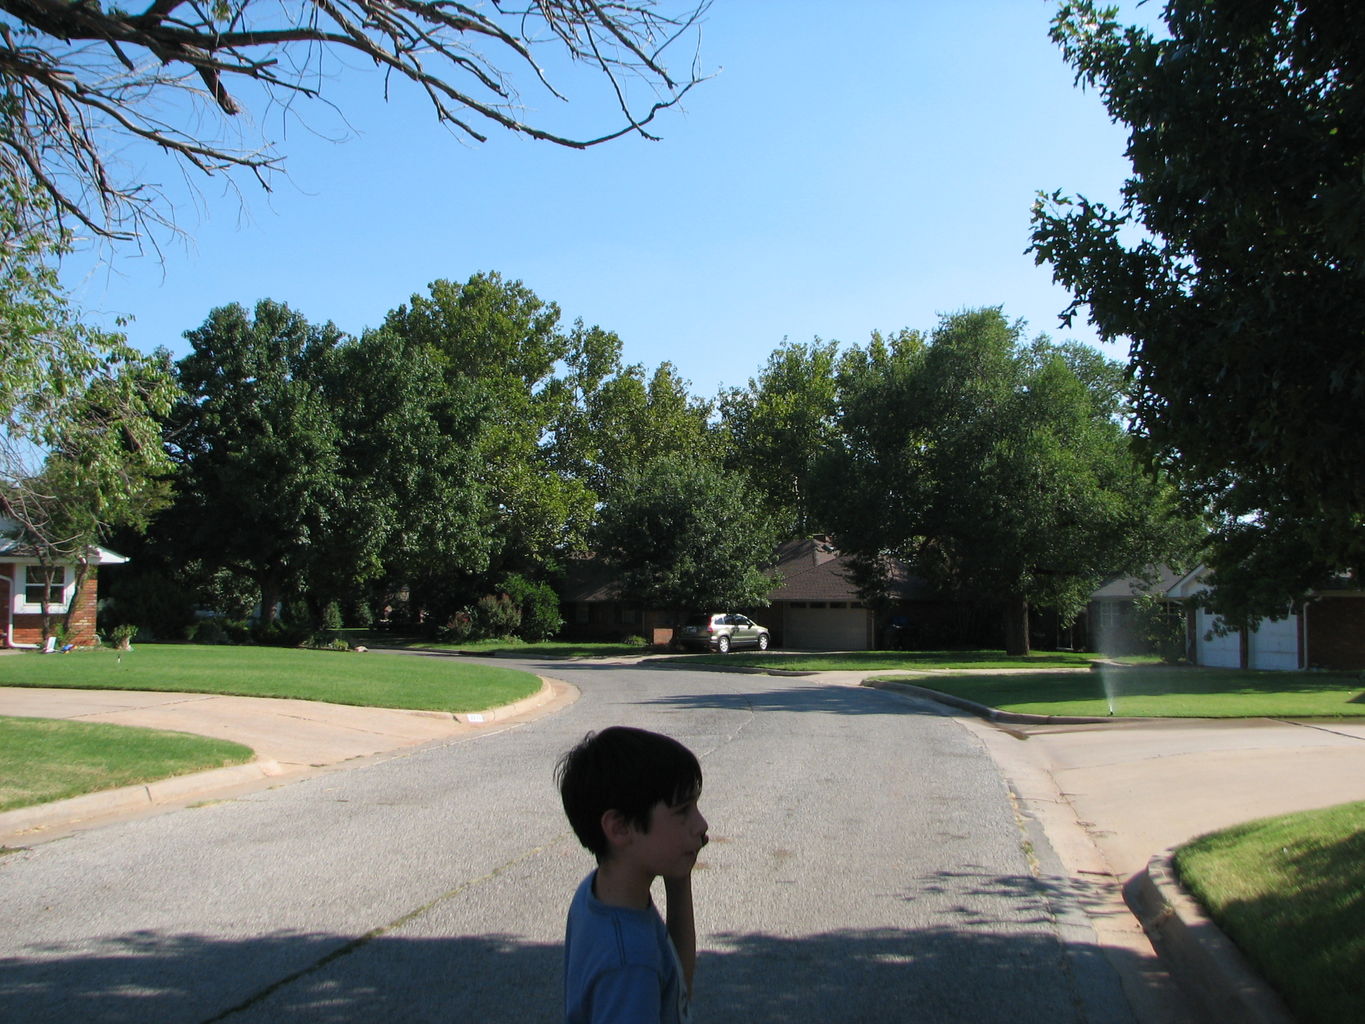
78	585
1016	625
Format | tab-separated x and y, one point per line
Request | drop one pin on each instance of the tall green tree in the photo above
498	341
1235	264
992	467
257	448
414	508
779	426
683	534
636	418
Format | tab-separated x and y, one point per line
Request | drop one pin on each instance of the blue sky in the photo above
849	167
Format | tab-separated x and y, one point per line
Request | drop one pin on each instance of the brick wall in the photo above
28	629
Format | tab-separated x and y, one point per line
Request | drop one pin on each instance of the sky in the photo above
852	167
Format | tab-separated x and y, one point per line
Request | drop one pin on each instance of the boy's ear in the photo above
617	830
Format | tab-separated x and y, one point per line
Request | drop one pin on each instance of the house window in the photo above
35	576
1109	614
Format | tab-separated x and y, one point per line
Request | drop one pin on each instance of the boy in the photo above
631	797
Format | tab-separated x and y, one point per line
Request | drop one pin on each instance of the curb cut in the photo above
1203	960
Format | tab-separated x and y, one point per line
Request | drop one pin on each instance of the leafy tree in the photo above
412	507
991	466
1235	263
683	534
257	448
80	81
779	426
634	421
80	453
499	342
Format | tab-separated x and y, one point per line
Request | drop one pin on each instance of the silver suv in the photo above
720	631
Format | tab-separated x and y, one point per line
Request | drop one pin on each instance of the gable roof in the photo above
1128	587
13	546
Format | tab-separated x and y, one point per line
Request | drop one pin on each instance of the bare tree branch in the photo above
78	78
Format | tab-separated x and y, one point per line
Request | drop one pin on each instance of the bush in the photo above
208	631
331	617
121	637
538	605
459	629
1160	629
496	615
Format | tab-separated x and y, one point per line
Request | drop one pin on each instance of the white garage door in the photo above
1217	651
826	629
1274	645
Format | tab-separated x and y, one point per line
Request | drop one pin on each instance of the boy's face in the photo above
676	835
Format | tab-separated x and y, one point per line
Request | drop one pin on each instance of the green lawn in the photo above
1290	892
859	661
42	759
488	648
372	679
1160	692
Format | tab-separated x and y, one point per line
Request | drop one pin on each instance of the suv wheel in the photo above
762	641
723	644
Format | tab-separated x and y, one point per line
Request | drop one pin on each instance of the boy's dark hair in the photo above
625	770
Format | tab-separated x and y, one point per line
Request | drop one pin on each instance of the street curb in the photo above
506	711
1196	952
133	798
982	710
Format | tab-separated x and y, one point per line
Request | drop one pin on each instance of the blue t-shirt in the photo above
620	966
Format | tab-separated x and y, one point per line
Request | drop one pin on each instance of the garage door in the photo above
1217	651
826	629
1274	645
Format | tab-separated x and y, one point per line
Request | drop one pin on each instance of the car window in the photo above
740	620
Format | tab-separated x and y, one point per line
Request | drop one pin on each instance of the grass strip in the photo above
1159	692
1290	892
510	648
368	680
855	661
42	759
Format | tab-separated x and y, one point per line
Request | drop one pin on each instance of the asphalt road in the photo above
866	864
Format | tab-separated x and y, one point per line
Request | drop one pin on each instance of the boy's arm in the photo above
682	928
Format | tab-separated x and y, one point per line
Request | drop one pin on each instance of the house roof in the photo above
809	568
813	569
15	548
1162	579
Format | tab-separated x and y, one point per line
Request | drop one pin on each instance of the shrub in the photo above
496	615
121	637
331	617
538	605
208	631
458	629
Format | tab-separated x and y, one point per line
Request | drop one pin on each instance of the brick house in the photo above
22	577
813	605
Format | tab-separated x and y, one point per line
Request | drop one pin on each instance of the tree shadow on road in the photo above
815	697
956	971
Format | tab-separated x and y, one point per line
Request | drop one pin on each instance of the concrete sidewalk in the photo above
291	738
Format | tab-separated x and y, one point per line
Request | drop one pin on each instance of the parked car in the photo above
720	631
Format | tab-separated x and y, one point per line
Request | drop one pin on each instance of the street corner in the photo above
553	695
